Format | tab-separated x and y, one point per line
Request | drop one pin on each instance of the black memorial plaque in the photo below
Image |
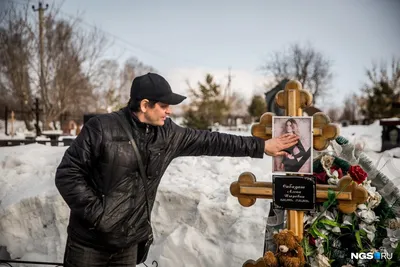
294	192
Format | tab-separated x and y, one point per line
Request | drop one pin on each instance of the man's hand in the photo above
274	146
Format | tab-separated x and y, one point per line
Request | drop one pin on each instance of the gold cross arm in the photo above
323	130
348	193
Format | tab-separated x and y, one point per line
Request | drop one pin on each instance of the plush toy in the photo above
289	251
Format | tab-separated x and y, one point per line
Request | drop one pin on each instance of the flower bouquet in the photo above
372	231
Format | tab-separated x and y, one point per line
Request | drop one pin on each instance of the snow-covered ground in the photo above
196	221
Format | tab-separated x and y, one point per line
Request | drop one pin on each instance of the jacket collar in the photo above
134	120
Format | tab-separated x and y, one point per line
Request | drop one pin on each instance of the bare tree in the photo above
303	63
132	68
4	9
71	53
350	109
113	82
107	84
15	60
333	113
71	64
71	56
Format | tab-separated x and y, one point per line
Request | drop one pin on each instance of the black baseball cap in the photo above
154	87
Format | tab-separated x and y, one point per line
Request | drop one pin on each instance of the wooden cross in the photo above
12	123
294	99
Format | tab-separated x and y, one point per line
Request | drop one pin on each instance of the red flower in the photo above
321	177
311	240
357	174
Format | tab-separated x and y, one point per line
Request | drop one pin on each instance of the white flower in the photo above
347	220
390	243
368	216
367	183
309	219
319	243
329	215
313	262
333	229
333	181
369	229
335	174
382	250
362	207
327	161
324	232
374	198
394	223
322	261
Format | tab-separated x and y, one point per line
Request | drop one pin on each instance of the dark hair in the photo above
293	122
134	104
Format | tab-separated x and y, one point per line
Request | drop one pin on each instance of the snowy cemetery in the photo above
224	211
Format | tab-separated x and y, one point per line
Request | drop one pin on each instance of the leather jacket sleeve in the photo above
192	142
73	173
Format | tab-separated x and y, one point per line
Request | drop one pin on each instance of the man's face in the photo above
156	115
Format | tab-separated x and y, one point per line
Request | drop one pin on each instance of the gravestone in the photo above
390	133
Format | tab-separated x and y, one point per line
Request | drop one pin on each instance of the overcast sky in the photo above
185	39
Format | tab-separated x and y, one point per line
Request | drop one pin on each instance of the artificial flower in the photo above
374	198
309	219
394	224
333	181
327	161
357	174
368	216
347	220
319	244
322	261
337	172
336	233
369	229
311	240
391	242
321	177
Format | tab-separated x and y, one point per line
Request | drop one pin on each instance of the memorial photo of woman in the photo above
298	160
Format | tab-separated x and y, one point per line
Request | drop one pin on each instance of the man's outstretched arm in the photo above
192	142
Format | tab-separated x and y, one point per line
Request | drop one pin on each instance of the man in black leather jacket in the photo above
99	180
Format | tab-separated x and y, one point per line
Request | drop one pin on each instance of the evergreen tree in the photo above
379	101
257	107
207	107
379	94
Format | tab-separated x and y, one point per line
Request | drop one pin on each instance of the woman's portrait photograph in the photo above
299	157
